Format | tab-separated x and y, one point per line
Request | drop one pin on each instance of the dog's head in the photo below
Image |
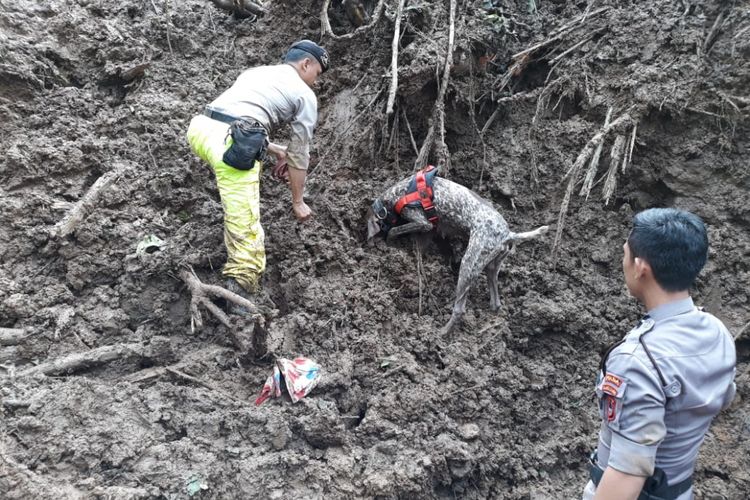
376	215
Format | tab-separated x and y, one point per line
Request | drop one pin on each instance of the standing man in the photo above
660	386
231	136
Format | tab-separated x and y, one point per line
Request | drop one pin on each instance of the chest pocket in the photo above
610	391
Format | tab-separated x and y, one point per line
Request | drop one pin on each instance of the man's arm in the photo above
298	152
297	183
616	485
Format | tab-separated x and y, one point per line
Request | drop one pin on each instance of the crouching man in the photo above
231	136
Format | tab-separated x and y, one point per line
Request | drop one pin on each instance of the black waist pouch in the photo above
249	144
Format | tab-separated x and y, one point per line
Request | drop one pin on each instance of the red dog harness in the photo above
423	195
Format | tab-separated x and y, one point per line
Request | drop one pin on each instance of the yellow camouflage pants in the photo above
240	197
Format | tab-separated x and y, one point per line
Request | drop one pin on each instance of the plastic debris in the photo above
300	375
195	485
149	244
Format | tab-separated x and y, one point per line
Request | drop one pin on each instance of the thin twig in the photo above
560	32
742	330
169	22
630	148
394	60
718	24
202	383
151	154
411	135
585	40
418	252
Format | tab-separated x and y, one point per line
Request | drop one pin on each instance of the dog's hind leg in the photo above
472	265
492	270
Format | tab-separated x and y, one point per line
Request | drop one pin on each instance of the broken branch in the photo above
86	204
560	32
11	336
88	359
714	32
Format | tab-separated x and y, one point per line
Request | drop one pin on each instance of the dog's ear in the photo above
373	226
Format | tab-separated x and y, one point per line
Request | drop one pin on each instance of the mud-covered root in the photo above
88	359
325	23
86	205
201	296
436	131
11	336
592	149
241	8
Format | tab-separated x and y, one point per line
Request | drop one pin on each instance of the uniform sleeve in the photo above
633	406
303	125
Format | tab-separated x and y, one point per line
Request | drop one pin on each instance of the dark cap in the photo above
315	50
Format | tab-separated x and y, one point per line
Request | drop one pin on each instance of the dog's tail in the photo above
529	235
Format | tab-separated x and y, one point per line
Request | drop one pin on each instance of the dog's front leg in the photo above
417	223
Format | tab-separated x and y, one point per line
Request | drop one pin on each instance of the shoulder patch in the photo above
613	385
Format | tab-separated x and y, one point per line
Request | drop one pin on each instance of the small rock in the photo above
469	432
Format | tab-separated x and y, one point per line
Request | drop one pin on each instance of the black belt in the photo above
656	487
228	119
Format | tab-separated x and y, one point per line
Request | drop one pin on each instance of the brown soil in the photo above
502	409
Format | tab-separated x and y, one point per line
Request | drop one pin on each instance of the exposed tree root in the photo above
85	205
522	59
325	23
394	59
201	296
573	173
11	336
615	160
438	112
241	8
88	359
588	180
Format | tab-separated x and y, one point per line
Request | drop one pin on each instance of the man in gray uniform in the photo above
231	136
660	386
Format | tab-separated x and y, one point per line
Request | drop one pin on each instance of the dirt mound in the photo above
502	409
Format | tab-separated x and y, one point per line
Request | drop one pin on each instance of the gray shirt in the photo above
656	412
275	95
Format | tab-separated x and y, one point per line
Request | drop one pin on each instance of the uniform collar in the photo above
670	309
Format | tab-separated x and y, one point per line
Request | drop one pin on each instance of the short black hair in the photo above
293	55
674	243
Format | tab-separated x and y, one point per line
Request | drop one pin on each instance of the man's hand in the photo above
301	211
280	170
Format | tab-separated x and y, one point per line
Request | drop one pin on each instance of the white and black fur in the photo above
459	210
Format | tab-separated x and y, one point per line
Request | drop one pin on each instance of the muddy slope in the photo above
503	408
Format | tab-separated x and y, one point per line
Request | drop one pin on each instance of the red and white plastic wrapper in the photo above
300	375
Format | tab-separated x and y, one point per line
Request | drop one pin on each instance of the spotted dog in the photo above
457	209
